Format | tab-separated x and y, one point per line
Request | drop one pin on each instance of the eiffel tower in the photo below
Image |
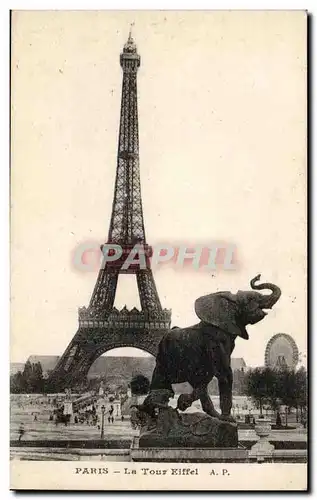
101	326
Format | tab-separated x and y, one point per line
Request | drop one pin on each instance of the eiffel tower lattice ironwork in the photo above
101	326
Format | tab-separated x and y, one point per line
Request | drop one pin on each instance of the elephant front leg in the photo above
206	402
225	395
185	401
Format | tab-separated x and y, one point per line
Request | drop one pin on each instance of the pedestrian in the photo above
111	419
278	420
21	431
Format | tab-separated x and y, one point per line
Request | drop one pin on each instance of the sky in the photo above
222	122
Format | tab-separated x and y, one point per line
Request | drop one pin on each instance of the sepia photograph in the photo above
158	250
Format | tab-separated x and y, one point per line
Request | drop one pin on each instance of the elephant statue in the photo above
200	352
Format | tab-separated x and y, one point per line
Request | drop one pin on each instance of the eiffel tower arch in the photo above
101	326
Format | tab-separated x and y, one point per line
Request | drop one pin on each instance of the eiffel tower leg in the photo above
74	365
149	298
102	299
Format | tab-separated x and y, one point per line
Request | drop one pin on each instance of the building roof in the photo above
238	364
48	362
117	365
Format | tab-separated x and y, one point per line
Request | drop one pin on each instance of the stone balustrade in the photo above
126	319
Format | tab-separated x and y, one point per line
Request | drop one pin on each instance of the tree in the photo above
301	388
17	383
275	387
36	379
27	375
29	381
293	386
261	385
140	385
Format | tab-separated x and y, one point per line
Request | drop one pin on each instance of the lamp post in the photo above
102	435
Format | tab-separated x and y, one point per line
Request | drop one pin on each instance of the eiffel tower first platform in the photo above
101	326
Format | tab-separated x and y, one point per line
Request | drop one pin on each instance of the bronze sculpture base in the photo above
172	429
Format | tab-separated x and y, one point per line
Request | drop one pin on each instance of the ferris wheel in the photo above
281	352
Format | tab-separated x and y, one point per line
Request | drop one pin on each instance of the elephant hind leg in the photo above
160	379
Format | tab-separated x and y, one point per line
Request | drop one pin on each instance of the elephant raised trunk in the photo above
267	301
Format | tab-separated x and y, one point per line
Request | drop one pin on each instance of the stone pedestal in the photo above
187	455
263	449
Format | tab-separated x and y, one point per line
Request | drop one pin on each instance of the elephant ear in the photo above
220	309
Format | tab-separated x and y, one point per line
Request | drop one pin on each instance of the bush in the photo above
140	385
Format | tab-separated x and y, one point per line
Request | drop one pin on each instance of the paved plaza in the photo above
44	429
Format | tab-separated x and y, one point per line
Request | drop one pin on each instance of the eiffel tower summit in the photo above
102	326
